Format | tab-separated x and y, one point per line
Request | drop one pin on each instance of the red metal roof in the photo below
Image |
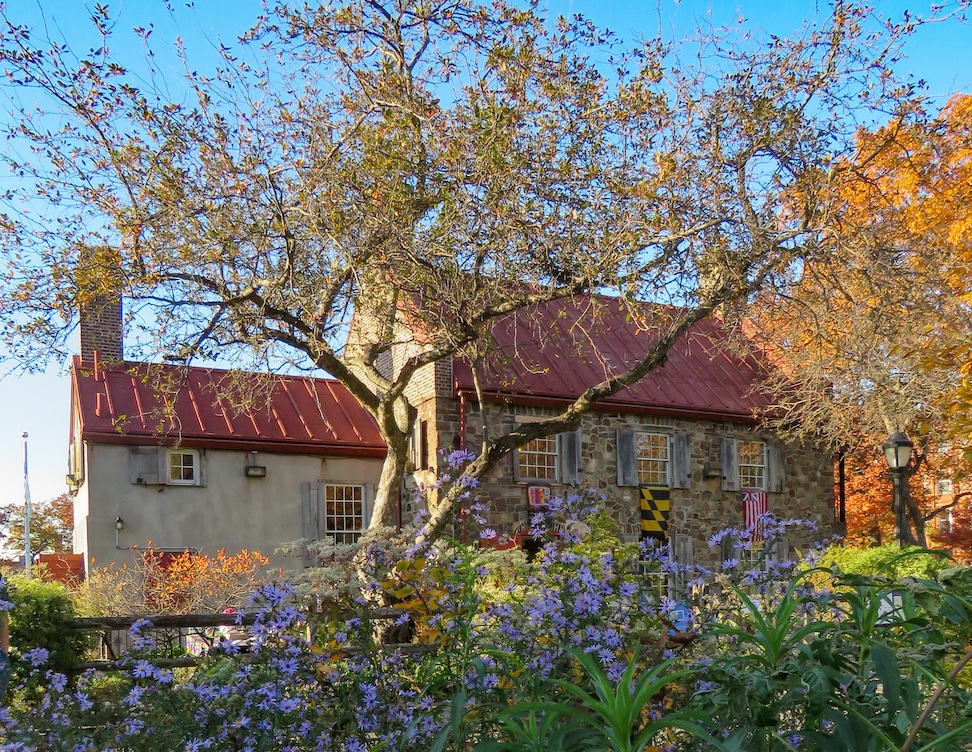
553	352
123	404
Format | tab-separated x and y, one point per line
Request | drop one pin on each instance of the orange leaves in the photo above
165	582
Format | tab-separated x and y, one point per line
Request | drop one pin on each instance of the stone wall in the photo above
697	512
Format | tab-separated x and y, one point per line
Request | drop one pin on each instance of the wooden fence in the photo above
179	636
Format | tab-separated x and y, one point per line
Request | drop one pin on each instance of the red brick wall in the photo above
101	330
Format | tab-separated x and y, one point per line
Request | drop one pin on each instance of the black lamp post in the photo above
897	453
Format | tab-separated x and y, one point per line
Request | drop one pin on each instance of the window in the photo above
537	460
652	459
945	521
752	464
944	486
183	467
418	445
550	459
343	508
153	466
332	509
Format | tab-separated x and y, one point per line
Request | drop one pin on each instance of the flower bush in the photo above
575	650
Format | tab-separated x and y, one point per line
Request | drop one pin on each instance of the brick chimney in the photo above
101	329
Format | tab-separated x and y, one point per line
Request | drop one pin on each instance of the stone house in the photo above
677	455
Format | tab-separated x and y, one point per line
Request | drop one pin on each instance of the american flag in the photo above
755	503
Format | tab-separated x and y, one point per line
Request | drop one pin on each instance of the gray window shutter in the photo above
683	549
729	548
366	504
516	465
781	550
730	464
569	456
201	470
682	552
680	467
309	517
627	458
145	465
775	470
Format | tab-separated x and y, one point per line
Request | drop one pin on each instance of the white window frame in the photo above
330	517
945	521
760	469
945	487
643	458
549	451
196	466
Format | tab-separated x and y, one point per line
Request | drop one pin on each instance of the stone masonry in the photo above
697	512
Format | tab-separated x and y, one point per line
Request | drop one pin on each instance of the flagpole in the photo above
26	513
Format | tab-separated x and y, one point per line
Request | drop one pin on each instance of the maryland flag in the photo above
656	503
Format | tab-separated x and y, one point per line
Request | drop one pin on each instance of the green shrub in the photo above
887	561
39	619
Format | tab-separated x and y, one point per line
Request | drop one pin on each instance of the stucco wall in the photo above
231	511
698	511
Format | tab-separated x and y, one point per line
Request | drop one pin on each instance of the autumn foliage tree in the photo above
874	343
440	164
51	525
180	583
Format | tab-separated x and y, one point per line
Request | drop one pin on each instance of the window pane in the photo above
344	512
752	464
653	459
538	459
182	467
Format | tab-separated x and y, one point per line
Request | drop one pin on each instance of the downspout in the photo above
842	489
462	447
462	421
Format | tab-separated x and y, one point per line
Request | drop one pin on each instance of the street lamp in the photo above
897	453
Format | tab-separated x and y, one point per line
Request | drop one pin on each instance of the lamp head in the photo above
897	450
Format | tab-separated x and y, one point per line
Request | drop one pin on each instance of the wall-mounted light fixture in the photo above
252	469
119	526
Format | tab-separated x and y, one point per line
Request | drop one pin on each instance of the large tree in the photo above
444	163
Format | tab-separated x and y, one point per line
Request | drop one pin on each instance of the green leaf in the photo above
886	666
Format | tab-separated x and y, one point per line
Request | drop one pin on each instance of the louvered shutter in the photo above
627	458
309	517
366	504
730	464
729	547
781	549
569	457
683	549
680	468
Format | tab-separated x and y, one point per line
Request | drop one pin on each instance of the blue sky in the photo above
39	404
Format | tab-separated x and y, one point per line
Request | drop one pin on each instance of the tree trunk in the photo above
913	513
385	512
393	418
